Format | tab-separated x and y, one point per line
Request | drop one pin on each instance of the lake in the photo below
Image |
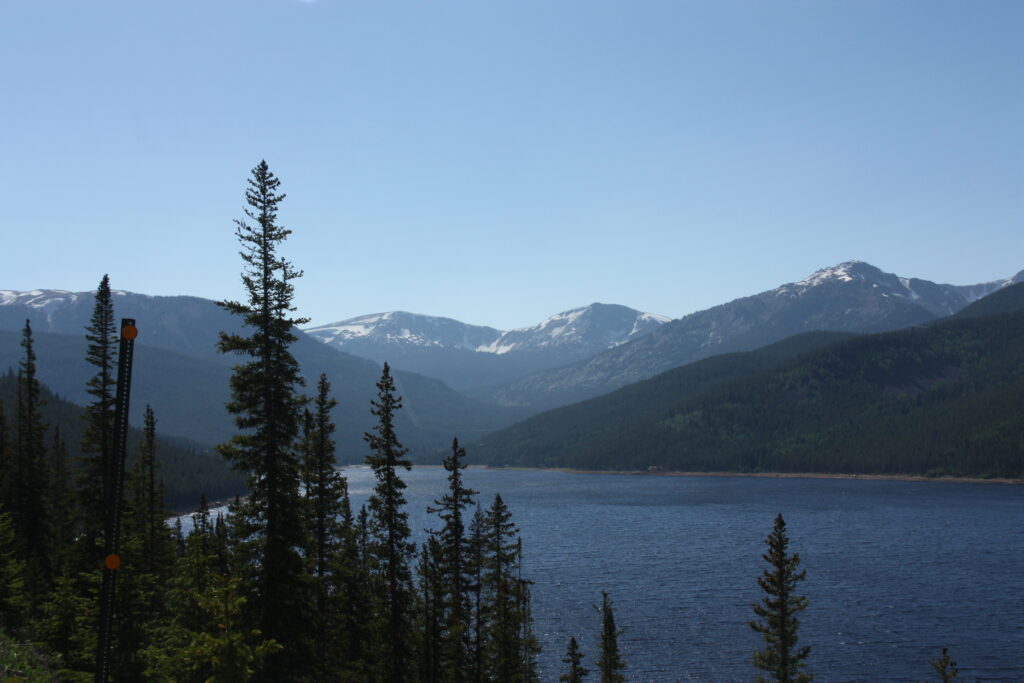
895	570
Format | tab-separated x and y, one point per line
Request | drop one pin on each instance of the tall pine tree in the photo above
508	646
455	568
97	443
781	658
389	524
267	409
326	497
32	477
609	662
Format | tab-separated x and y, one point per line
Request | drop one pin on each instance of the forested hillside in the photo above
188	389
187	469
941	399
544	440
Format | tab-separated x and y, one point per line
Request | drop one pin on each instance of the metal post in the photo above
115	498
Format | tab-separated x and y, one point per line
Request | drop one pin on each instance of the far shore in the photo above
779	475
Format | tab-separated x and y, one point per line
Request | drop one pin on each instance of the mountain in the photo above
469	357
179	371
850	297
943	398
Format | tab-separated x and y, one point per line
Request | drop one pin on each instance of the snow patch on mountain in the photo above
597	327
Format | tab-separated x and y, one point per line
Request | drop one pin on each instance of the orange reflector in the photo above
129	332
112	561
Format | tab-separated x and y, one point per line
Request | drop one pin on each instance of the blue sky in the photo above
497	162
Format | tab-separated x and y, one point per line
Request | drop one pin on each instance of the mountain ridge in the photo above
852	296
938	399
470	357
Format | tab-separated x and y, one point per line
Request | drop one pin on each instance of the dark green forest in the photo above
941	399
186	469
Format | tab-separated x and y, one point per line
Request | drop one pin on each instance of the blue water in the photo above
895	570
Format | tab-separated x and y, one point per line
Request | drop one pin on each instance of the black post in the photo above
115	498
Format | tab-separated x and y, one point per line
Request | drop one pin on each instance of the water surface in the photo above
895	570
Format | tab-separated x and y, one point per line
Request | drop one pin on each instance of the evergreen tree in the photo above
97	443
147	512
148	556
574	658
229	652
350	603
529	648
267	410
431	613
62	507
945	666
6	474
609	662
778	610
389	525
13	598
326	495
32	478
476	595
454	567
507	654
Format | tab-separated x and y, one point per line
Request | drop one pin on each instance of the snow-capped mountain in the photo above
939	299
181	374
404	329
594	327
471	356
849	297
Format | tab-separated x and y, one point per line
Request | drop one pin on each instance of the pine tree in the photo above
778	610
389	524
477	637
350	603
98	438
148	559
62	507
609	662
574	658
454	566
32	477
228	651
945	666
326	495
267	410
431	613
6	473
13	598
529	647
507	649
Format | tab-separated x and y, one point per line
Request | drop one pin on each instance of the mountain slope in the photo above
469	357
187	469
544	440
850	297
943	399
180	372
1007	300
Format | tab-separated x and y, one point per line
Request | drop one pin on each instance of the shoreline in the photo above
774	475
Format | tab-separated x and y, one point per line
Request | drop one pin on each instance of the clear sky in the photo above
499	161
